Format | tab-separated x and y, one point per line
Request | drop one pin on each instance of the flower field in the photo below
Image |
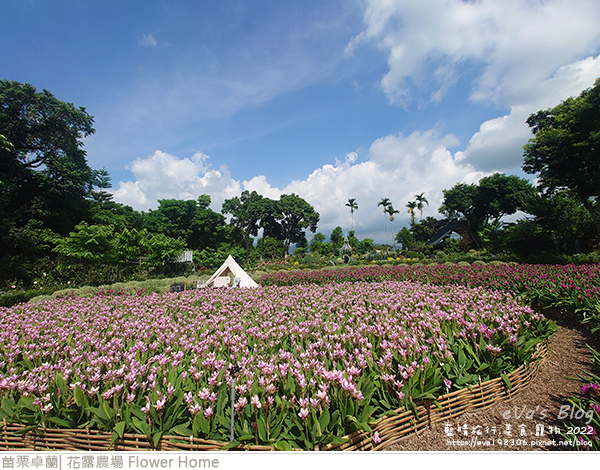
569	287
311	363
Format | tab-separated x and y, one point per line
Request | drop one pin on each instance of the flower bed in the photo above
570	287
316	363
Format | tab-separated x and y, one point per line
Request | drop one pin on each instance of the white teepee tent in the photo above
221	277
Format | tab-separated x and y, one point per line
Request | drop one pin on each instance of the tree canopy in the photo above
485	204
246	214
44	174
565	149
294	215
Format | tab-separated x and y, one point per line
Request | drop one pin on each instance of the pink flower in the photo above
255	401
303	413
241	403
160	403
376	438
208	412
448	384
195	409
589	389
146	408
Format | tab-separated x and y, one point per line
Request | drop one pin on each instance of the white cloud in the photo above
527	55
165	176
498	145
517	43
147	40
398	167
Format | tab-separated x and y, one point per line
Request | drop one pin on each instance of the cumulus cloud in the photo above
397	167
165	176
525	55
516	43
498	145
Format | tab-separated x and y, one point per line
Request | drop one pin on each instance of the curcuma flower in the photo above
303	413
255	401
589	389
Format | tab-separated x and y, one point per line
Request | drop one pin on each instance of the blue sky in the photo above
328	99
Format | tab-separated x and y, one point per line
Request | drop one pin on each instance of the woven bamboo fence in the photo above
391	429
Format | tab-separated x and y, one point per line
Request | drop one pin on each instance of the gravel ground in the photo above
539	405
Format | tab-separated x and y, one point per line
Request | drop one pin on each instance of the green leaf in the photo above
262	429
181	430
284	446
365	414
61	384
231	445
61	422
141	426
324	419
120	429
223	421
316	431
362	426
80	398
200	424
336	441
506	380
8	406
246	436
156	438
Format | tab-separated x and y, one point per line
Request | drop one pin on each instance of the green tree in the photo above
162	249
384	203
193	221
562	218
89	249
420	200
173	218
207	228
391	212
246	213
44	174
426	228
412	205
337	237
45	181
366	245
352	204
564	152
316	243
267	209
294	215
482	206
406	239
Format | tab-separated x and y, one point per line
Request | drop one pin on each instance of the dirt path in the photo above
536	406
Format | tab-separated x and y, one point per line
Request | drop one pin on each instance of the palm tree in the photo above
391	211
353	207
420	200
411	210
385	202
